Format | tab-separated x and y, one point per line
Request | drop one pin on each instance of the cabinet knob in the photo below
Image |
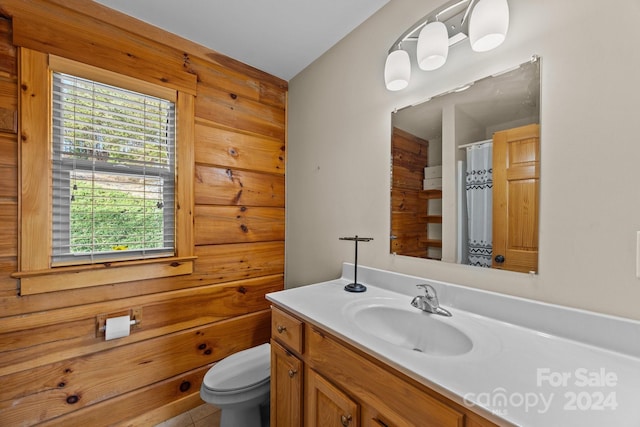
346	420
499	259
281	329
292	373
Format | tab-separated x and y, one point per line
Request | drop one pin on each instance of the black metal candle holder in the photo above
355	286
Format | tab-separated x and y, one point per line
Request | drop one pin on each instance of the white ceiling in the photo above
281	37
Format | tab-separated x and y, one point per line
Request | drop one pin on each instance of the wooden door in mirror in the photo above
516	176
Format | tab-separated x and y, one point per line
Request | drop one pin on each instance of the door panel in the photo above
328	405
516	177
286	388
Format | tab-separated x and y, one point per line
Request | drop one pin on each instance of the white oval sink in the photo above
411	329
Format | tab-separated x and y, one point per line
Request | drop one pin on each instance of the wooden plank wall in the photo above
53	369
409	156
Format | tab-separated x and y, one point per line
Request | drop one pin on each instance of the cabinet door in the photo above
286	388
328	405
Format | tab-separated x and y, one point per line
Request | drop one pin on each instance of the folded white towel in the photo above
432	184
433	172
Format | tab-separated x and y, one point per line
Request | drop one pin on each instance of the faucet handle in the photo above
429	291
429	302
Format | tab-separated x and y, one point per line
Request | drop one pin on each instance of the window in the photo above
106	176
113	172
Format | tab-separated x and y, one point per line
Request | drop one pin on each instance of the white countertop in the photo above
532	364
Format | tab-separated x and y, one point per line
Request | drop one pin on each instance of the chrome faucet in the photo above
429	301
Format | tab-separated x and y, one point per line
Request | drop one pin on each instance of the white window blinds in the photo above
113	173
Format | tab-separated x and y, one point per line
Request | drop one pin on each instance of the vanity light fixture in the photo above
488	24
397	70
433	46
484	22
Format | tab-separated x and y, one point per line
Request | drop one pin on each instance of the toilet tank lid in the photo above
240	370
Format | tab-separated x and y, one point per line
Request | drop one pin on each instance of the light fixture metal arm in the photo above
454	13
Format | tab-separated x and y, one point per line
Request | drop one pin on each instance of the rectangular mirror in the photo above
465	173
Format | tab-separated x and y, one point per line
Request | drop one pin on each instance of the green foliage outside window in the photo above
104	219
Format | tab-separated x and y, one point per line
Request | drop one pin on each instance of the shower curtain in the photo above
479	189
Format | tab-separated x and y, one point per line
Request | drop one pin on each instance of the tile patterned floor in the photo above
201	416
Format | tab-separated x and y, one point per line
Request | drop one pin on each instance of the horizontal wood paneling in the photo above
8	229
8	116
223	63
407	175
220	186
10	305
43	338
241	84
8	93
8	64
121	409
225	147
224	224
8	105
408	223
222	263
49	28
8	285
409	157
8	167
9	176
247	115
408	208
410	245
57	389
404	200
8	154
49	351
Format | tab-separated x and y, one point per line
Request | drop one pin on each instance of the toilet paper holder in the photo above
135	314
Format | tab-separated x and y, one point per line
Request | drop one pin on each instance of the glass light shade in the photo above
433	46
397	70
488	24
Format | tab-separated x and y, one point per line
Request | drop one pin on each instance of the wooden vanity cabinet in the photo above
343	386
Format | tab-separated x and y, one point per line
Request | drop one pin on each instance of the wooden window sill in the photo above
107	273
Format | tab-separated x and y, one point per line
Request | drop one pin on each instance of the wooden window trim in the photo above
59	278
35	211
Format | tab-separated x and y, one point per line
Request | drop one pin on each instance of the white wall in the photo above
339	150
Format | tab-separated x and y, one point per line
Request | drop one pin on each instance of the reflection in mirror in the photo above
465	173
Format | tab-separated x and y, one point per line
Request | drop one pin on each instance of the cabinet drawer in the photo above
286	329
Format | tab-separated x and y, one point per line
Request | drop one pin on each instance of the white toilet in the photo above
239	385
